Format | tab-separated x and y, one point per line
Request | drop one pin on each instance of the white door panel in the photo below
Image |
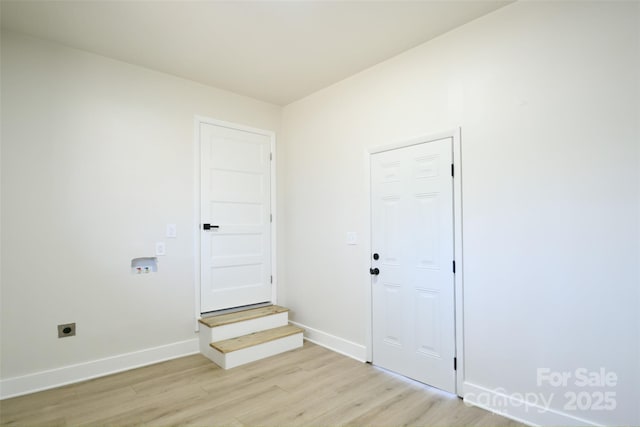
236	197
412	231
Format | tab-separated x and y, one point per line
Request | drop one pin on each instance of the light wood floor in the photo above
310	386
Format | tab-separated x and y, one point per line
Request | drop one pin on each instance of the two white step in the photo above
234	339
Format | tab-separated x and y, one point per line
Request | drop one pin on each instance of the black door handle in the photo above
209	226
374	271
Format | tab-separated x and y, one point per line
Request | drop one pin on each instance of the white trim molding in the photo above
333	343
458	277
44	380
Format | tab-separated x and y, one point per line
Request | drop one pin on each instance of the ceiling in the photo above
275	51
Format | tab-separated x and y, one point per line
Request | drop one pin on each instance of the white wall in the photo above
547	97
97	157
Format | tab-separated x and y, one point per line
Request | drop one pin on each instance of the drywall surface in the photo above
97	157
546	94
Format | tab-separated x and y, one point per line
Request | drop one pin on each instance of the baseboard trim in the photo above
518	409
31	383
333	343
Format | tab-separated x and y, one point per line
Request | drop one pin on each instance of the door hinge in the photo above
454	266
451	169
270	156
271	278
455	363
270	217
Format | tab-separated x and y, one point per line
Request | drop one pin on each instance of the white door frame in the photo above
196	208
455	134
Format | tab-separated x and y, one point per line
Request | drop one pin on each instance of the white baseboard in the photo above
17	386
334	343
516	408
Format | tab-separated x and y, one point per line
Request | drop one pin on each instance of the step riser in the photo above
220	333
251	354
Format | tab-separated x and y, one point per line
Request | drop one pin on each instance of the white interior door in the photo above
235	218
413	290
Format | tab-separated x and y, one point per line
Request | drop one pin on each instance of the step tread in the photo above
240	316
233	344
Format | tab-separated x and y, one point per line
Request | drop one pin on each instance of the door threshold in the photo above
234	309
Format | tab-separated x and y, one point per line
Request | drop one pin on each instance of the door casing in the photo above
456	135
196	209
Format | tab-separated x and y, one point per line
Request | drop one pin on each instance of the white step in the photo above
233	339
248	348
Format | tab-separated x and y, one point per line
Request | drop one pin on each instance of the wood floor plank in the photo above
20	407
299	381
407	404
195	376
359	400
225	411
91	406
309	394
158	370
310	386
136	409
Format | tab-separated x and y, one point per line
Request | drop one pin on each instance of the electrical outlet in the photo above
66	330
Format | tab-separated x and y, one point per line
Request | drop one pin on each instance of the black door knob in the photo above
376	256
374	271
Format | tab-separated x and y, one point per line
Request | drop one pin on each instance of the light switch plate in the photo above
172	231
160	248
352	238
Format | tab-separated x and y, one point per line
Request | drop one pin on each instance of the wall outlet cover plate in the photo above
66	330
